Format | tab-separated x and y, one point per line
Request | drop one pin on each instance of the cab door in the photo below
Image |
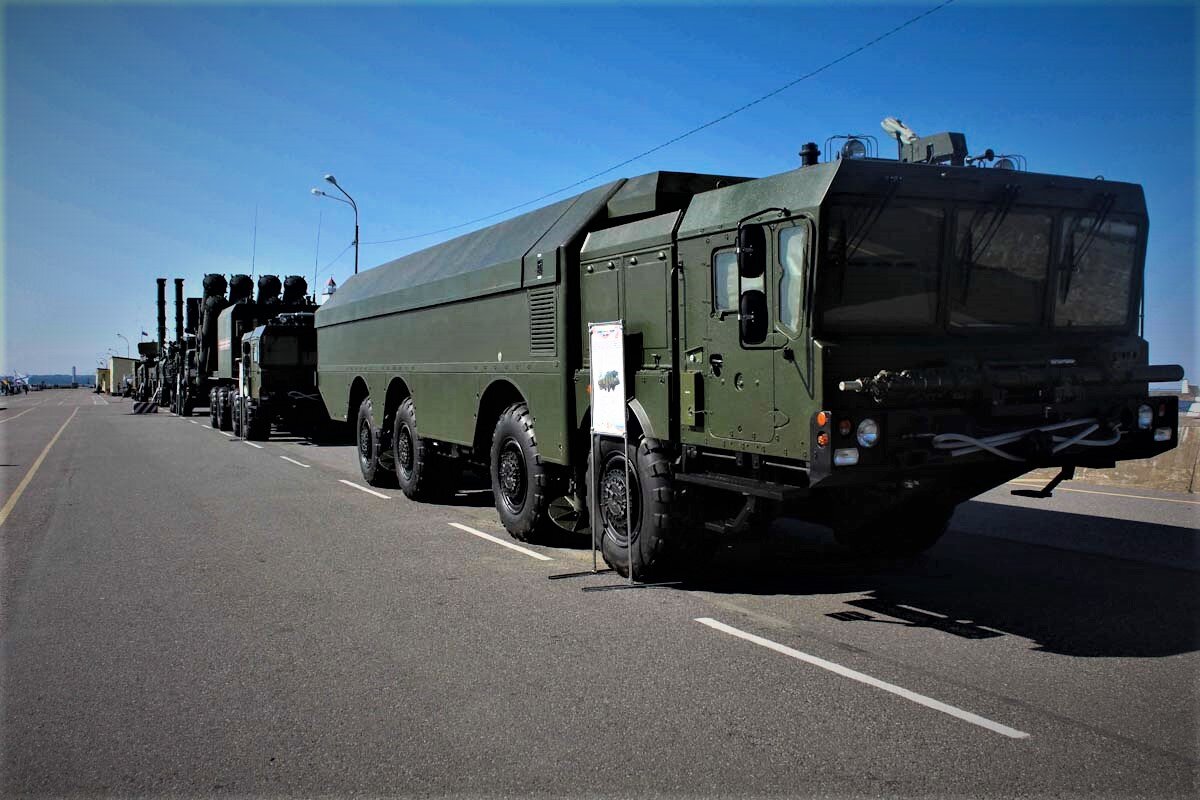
739	384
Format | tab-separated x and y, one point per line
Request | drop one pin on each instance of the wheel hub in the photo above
364	442
512	475
613	499
404	449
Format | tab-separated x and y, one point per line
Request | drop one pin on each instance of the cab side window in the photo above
725	277
793	259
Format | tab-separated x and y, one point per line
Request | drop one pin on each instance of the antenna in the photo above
254	244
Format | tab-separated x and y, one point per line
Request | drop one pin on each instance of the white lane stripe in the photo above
14	416
252	444
225	433
1108	494
846	672
294	461
501	542
364	489
193	422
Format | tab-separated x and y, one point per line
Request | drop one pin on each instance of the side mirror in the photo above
751	251
752	316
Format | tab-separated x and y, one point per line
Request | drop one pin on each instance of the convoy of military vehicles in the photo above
860	342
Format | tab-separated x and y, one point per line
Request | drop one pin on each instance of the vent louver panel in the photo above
542	321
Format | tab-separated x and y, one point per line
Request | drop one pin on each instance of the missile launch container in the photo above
862	342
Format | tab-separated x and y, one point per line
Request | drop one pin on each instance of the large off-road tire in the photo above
238	418
650	514
257	429
420	472
213	410
905	531
224	410
374	472
519	480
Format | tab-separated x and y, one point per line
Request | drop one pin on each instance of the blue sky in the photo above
139	139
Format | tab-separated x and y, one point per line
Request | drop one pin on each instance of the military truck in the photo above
196	354
862	342
239	318
278	379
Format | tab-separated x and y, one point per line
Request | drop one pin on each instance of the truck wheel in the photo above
256	426
224	410
902	532
237	416
649	512
421	473
213	410
373	472
519	479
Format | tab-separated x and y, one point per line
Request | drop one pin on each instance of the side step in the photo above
778	492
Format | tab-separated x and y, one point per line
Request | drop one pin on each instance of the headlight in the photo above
1145	417
845	457
868	433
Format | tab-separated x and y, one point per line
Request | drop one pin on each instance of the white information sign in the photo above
608	377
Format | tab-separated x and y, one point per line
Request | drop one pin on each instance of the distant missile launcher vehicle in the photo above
277	376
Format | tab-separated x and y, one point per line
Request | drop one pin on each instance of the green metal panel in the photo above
446	355
631	237
721	209
691	399
662	191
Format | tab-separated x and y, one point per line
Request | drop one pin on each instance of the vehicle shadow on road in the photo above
979	586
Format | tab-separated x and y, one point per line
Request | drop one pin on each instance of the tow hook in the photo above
1066	474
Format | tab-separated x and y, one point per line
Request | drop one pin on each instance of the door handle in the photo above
716	361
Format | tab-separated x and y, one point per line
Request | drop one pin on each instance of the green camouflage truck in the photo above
861	342
278	379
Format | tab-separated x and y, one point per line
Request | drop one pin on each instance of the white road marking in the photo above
252	444
1109	494
14	416
294	461
224	433
16	495
364	489
846	672
193	422
501	542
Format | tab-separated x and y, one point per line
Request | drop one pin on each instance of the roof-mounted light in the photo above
851	145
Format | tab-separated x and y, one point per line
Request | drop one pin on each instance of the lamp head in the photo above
316	192
331	179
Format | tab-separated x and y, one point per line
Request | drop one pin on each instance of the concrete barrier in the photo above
1173	471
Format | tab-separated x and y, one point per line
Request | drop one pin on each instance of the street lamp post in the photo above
126	345
348	201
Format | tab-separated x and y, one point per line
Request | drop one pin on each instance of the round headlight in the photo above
868	433
1145	417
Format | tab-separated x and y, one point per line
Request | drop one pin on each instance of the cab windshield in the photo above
883	268
899	268
282	350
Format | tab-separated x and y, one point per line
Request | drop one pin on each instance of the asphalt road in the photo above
184	613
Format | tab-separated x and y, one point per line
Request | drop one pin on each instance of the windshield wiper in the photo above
972	252
873	215
1073	257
